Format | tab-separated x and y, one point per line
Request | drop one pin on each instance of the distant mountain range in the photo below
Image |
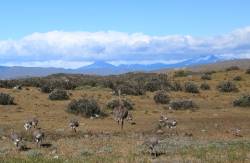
102	68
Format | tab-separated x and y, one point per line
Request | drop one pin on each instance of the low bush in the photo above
182	104
175	86
206	77
237	78
113	103
161	97
181	73
243	101
205	86
191	87
58	94
232	68
227	86
153	85
248	71
84	107
6	99
46	89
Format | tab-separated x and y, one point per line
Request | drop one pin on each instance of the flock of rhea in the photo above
120	113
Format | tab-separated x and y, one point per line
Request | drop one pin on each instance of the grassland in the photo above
101	140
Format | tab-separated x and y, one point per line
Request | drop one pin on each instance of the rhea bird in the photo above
152	143
73	124
38	136
16	138
31	123
120	112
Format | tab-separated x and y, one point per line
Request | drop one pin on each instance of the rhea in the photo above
120	112
73	124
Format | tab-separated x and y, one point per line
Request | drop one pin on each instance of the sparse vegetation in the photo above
84	107
46	89
243	101
175	86
205	86
115	102
58	94
191	87
161	97
6	99
227	86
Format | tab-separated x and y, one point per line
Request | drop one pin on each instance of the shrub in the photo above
58	94
232	68
227	86
206	77
175	86
181	73
129	89
182	104
115	103
46	89
191	87
153	85
161	97
84	107
205	86
243	101
6	99
248	71
237	78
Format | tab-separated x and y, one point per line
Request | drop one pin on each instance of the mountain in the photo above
103	68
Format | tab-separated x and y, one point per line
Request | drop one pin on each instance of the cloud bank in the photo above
76	49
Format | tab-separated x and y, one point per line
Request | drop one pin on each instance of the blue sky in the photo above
46	32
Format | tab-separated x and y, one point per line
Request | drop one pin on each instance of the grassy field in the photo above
101	140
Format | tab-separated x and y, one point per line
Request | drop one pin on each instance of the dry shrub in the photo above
182	104
243	101
205	86
58	94
227	86
113	103
84	107
6	99
161	97
191	87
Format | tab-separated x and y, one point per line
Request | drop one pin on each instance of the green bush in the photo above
191	87
115	103
84	107
227	86
58	94
243	101
161	97
6	99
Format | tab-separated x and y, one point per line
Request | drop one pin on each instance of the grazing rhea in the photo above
120	112
171	123
31	123
152	143
16	138
38	136
73	124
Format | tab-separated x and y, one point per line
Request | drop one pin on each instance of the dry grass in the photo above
101	140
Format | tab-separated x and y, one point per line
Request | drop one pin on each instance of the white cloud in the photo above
59	48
